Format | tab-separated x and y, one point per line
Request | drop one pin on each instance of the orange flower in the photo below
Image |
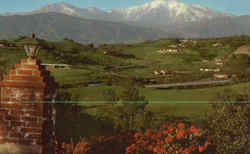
201	148
156	149
132	146
159	134
147	133
165	132
128	148
168	139
191	147
164	126
193	129
186	151
153	136
136	135
150	148
181	125
63	145
159	142
115	127
207	143
144	143
161	150
170	128
180	134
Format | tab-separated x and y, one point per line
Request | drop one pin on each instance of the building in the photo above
3	44
169	51
221	76
217	44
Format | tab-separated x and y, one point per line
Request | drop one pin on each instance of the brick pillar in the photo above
26	112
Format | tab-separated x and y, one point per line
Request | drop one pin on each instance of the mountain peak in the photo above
60	7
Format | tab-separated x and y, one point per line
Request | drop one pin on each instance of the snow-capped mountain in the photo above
167	11
171	16
64	8
59	8
161	12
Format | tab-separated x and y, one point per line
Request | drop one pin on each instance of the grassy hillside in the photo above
89	63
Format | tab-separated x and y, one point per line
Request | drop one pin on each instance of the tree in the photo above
229	122
129	111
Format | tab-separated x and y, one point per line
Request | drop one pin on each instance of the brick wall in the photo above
26	112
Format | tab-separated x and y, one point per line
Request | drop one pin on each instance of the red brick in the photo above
17	123
12	140
15	134
2	141
30	66
24	72
33	124
26	78
24	84
32	113
35	136
5	77
31	130
16	118
37	73
27	141
30	119
12	72
2	133
3	113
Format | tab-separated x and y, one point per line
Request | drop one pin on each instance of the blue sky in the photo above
236	7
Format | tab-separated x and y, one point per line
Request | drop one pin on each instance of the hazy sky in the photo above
236	7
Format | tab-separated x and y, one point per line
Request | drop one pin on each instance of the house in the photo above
219	63
217	44
184	41
163	72
221	76
156	73
108	52
3	44
209	70
169	51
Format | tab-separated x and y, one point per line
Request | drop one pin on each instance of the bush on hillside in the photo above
229	122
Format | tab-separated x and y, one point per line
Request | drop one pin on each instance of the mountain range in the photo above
152	20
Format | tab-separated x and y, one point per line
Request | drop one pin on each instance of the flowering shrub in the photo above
170	139
178	139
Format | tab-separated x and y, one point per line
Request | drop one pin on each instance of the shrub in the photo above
229	123
180	138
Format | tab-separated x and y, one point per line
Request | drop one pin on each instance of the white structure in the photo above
221	76
209	70
163	72
156	73
167	51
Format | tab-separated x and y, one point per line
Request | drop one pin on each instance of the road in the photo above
185	84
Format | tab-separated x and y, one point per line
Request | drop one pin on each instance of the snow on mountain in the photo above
156	12
59	8
171	10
